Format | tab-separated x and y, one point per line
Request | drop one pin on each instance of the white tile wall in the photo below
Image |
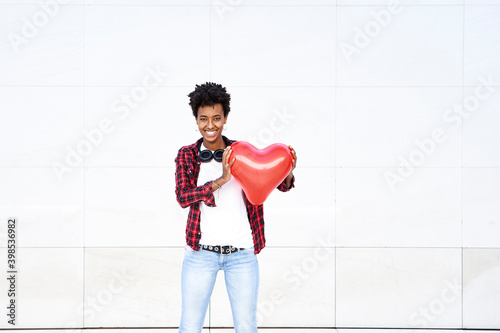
250	47
424	211
481	287
129	287
299	219
480	121
280	2
144	133
481	2
481	49
412	46
51	6
148	2
29	139
481	194
132	207
398	287
120	41
351	85
266	115
49	287
50	213
41	46
393	3
378	127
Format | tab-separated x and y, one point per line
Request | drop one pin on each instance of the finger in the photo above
232	162
294	159
225	156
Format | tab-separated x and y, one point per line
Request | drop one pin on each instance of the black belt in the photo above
228	249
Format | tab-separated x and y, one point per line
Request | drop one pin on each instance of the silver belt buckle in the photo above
230	250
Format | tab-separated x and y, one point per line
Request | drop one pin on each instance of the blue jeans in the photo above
199	271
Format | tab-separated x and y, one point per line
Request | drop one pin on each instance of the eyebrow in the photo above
215	115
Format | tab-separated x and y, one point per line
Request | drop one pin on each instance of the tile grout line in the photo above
462	176
27	86
84	168
209	314
335	171
210	41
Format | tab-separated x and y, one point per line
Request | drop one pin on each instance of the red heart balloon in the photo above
260	171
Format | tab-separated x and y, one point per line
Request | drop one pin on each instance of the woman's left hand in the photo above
289	177
294	158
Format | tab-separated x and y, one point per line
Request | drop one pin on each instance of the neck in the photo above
219	144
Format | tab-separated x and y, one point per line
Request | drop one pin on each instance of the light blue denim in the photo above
199	271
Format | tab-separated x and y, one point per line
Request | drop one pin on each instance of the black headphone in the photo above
207	155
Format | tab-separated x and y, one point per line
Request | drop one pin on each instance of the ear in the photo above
225	118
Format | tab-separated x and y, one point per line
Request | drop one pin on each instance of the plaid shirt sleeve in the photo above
185	182
283	188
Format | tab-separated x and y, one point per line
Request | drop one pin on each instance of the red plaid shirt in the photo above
188	194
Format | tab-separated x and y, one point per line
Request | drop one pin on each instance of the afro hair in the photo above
209	93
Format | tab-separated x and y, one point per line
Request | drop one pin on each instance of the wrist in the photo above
217	186
221	181
289	179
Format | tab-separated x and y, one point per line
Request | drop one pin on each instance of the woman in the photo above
224	231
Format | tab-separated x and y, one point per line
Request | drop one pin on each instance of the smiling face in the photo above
211	122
